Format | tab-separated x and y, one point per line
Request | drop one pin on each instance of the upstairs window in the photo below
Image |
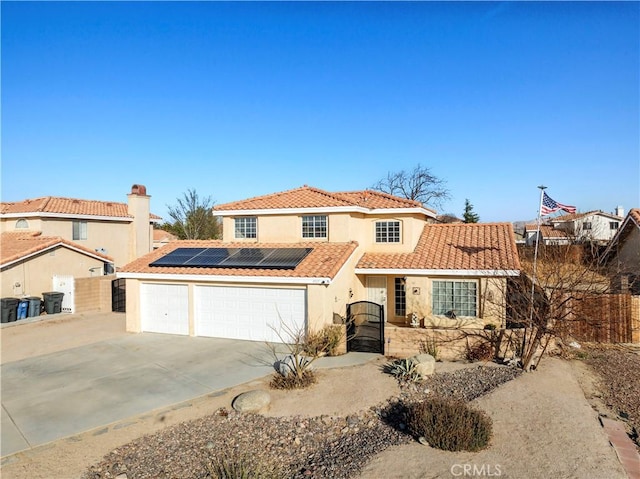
79	230
388	232
614	225
454	298
586	225
314	226
22	223
246	227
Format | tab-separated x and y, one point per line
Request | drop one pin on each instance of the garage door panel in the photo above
248	313
164	308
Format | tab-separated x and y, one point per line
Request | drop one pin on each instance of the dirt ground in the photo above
543	427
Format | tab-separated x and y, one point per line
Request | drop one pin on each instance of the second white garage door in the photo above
255	314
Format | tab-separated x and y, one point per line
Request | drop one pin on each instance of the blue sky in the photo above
243	99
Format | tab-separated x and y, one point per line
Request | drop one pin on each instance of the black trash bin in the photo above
53	302
9	309
34	306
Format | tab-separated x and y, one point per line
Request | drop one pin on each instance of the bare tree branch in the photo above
418	184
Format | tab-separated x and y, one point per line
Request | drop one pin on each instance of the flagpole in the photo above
535	258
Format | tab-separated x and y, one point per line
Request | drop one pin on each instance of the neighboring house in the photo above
548	235
299	257
123	231
29	262
596	226
623	254
161	238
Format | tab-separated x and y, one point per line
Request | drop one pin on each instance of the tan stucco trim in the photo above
439	272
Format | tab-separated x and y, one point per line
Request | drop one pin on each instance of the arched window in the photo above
22	223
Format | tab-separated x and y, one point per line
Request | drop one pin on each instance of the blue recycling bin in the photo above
23	309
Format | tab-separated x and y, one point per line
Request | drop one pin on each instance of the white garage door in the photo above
164	308
255	314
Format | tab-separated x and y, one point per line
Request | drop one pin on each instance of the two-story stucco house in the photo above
595	226
51	236
299	257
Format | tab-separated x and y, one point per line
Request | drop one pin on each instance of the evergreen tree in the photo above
469	216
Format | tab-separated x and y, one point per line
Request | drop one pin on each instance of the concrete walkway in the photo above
69	390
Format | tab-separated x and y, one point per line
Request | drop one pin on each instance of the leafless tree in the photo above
418	184
193	218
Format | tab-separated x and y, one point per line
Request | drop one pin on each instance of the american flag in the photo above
549	206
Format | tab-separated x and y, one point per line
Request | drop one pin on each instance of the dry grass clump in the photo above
449	424
301	380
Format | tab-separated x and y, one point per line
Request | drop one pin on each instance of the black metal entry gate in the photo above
119	295
365	327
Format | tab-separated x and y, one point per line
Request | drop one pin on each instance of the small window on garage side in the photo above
314	226
401	297
388	232
246	227
22	223
79	230
454	298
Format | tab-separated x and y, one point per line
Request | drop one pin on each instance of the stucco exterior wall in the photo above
342	228
35	276
629	252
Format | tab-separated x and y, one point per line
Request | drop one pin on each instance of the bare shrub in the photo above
479	351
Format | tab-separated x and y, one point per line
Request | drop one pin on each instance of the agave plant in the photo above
404	370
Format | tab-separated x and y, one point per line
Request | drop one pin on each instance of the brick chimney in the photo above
141	232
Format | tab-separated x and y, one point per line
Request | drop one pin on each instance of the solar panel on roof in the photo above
267	258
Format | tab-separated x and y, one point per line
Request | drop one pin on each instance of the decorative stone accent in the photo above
251	401
425	364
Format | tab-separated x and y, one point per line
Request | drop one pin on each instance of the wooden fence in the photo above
605	318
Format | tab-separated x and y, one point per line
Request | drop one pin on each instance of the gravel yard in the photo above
304	447
618	374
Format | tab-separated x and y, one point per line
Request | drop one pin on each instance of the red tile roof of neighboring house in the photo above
631	220
71	206
550	232
472	246
15	246
324	261
634	214
162	235
309	197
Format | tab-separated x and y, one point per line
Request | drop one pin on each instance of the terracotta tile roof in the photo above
309	197
162	235
631	220
14	246
324	261
634	214
472	246
550	232
71	206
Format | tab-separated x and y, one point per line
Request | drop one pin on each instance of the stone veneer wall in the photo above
452	344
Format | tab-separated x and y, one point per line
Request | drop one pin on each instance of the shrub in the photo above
325	341
480	351
449	424
242	467
403	370
429	346
302	380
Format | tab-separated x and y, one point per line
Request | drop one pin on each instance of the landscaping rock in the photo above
251	401
425	364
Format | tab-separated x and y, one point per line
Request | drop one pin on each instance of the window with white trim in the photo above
22	223
79	230
455	298
613	225
400	297
314	226
388	232
246	227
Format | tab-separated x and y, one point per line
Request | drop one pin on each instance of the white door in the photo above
66	285
377	291
164	308
255	314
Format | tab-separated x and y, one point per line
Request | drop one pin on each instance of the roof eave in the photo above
52	246
67	216
439	272
322	209
210	278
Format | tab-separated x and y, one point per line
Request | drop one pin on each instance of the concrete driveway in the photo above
75	387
